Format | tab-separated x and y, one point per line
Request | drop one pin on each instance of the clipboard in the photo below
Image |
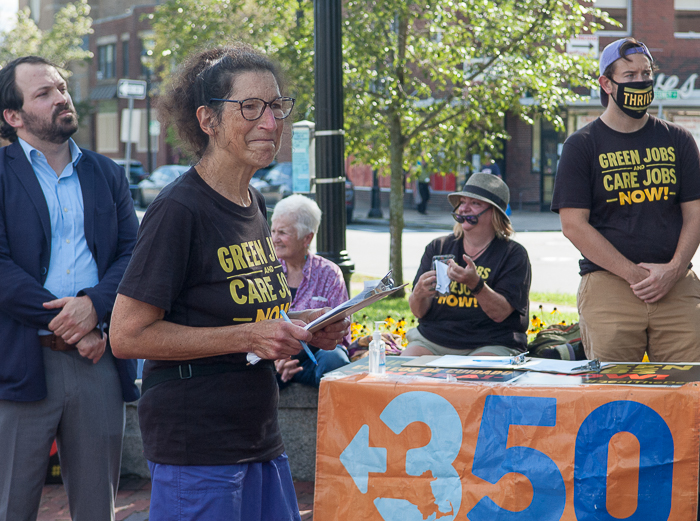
373	291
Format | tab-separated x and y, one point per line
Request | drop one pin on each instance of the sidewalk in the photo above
438	217
134	498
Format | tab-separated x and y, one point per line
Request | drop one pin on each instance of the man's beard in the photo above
56	131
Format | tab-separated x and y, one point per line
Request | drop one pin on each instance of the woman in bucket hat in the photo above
484	310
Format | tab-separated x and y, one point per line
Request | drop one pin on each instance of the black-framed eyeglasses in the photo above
471	219
254	108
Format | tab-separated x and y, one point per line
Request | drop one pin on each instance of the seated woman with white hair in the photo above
314	281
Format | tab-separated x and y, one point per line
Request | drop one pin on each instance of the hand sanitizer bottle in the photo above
377	352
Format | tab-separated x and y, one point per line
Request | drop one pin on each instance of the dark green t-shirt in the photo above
457	320
632	184
208	263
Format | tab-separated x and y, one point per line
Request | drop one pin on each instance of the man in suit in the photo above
67	229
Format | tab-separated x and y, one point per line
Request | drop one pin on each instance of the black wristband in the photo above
479	286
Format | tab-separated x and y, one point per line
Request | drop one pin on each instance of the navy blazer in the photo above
25	253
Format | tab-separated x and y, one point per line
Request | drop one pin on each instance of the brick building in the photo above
117	44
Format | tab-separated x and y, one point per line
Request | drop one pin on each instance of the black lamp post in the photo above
330	144
146	61
375	210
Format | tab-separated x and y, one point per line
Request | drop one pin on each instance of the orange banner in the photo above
396	449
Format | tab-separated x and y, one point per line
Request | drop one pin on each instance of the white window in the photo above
686	18
619	10
107	132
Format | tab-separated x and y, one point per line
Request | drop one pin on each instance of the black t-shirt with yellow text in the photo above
632	183
456	320
208	263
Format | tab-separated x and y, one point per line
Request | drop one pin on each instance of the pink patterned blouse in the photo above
321	285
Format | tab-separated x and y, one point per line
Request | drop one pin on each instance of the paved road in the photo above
554	260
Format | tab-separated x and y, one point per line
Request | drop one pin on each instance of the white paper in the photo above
373	291
476	362
544	365
548	379
443	281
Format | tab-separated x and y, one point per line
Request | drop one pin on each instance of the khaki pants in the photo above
616	326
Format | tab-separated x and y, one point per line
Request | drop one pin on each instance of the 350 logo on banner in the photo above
493	458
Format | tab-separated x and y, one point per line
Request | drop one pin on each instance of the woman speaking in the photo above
201	301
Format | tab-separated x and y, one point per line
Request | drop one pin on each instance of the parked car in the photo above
148	189
262	172
136	175
275	183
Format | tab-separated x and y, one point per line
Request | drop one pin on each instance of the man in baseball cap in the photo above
628	194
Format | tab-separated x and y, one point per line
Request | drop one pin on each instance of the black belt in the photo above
187	371
56	343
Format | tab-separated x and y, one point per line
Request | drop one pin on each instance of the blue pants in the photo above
328	361
246	492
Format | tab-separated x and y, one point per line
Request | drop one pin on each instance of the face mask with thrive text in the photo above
634	97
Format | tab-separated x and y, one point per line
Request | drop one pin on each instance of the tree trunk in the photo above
396	147
396	202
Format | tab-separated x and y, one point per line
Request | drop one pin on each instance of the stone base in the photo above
298	412
297	415
133	461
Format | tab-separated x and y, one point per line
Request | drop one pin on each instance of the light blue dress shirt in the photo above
72	266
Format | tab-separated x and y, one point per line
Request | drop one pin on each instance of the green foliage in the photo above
429	82
443	74
61	45
557	299
271	26
395	308
426	82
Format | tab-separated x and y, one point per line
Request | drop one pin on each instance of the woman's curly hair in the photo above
210	73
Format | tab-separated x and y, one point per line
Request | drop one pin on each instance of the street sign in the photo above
666	94
583	44
130	131
133	89
302	156
154	129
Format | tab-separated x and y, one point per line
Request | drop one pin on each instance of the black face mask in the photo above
634	97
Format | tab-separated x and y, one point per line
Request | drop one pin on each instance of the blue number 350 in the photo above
493	460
